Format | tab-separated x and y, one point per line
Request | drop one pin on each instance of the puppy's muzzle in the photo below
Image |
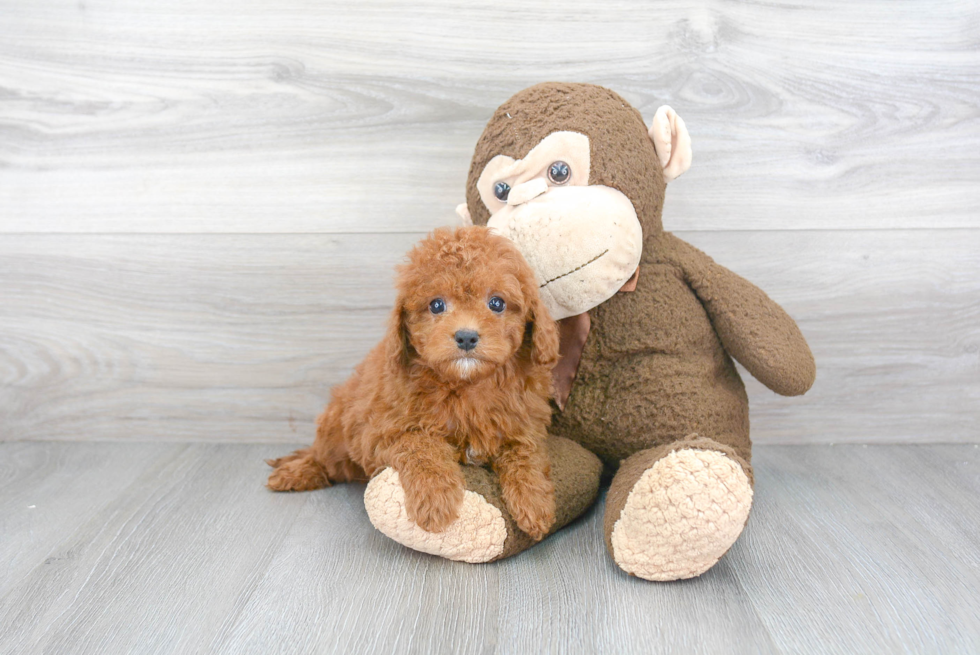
467	339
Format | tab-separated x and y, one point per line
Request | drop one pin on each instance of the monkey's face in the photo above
583	241
574	177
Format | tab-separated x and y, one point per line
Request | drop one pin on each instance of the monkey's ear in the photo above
671	141
463	211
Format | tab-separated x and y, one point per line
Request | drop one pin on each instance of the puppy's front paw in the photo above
536	518
534	512
478	535
433	502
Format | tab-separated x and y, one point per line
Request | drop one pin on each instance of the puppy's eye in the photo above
496	304
559	172
437	306
501	190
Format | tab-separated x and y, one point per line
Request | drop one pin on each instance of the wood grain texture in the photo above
893	320
219	338
239	338
850	549
49	491
303	116
874	558
200	207
161	567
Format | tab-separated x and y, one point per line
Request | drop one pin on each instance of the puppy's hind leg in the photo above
323	463
297	472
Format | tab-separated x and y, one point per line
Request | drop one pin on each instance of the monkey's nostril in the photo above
467	339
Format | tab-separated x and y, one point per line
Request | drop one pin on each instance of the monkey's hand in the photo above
753	328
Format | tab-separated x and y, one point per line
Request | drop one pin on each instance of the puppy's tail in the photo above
275	463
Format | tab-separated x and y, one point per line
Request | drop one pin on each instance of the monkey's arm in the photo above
754	330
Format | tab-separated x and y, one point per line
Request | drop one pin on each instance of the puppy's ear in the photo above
544	330
398	347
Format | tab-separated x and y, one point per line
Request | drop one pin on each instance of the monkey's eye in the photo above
501	190
559	172
496	304
437	306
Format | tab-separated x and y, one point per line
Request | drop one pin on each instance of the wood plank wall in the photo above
201	202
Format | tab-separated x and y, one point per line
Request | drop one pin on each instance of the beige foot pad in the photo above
477	536
682	515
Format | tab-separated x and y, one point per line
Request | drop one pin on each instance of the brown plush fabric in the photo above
575	473
622	155
657	365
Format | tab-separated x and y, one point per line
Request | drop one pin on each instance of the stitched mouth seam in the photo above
579	268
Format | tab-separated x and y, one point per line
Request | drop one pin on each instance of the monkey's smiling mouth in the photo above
577	268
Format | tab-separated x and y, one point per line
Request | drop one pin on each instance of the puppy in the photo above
462	376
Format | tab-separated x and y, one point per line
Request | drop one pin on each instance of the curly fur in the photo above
420	404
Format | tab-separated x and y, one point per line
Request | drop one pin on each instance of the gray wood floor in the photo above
178	548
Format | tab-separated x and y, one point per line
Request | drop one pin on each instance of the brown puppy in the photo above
463	375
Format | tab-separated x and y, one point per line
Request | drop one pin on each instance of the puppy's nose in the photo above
466	339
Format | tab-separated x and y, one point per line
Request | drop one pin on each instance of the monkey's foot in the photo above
478	535
681	515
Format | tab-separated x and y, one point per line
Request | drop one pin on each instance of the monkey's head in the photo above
572	175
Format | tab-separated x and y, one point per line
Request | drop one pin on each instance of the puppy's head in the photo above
468	303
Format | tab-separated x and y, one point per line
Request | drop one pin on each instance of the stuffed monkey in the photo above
646	391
